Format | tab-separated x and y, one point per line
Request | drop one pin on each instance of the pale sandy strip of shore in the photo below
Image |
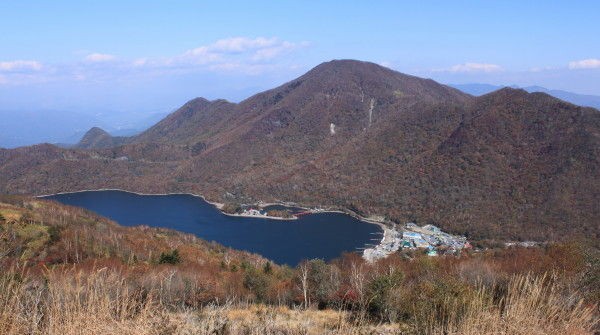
261	216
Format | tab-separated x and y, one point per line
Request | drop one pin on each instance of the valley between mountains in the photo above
355	135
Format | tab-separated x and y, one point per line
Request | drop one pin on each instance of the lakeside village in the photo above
412	237
428	238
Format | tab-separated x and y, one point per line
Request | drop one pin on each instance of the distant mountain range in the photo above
349	134
574	98
27	127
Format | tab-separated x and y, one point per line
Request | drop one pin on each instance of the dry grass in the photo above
102	302
531	306
67	302
74	303
9	214
259	319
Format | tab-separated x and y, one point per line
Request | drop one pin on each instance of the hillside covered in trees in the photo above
356	135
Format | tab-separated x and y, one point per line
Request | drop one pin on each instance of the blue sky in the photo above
155	55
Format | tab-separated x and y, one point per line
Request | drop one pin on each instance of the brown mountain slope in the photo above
531	157
357	135
339	92
196	121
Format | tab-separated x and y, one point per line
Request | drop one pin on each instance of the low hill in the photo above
356	135
98	138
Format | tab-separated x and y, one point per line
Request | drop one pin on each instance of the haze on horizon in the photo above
127	63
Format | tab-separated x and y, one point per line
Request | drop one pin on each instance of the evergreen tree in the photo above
169	258
267	268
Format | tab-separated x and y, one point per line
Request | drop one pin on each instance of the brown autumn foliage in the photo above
68	271
279	213
507	165
40	234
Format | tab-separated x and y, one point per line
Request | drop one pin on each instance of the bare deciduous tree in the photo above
304	271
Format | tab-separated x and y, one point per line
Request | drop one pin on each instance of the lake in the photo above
320	235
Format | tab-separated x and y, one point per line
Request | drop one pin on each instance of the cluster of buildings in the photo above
252	212
433	238
429	238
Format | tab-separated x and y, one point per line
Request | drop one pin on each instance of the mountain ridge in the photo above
574	98
321	75
355	135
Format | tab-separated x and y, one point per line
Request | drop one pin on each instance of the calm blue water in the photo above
322	235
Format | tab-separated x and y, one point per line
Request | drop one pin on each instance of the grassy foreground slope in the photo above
68	271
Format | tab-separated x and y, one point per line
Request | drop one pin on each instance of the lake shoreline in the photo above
261	216
218	205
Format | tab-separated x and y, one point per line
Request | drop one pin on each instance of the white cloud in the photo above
242	44
236	55
20	65
542	69
98	57
590	63
475	67
140	62
238	50
272	51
